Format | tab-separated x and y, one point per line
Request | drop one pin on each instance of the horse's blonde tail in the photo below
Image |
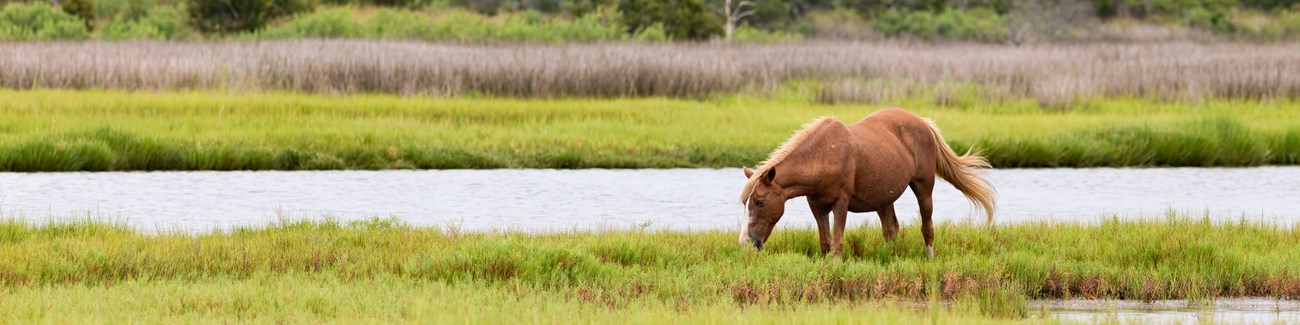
965	172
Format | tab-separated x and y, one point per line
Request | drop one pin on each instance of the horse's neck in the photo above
795	185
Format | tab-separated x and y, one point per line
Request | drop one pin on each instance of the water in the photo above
1225	311
550	200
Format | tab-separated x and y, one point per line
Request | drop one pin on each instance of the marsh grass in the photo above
61	130
315	299
1050	74
987	270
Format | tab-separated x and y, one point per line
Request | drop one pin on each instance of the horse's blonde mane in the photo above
779	155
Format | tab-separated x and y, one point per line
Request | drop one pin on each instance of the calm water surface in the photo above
1221	311
549	200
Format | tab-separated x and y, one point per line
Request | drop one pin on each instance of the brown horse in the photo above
862	167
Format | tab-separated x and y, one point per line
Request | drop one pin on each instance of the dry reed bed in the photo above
1049	73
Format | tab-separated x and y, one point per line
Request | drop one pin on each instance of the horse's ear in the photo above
748	172
770	175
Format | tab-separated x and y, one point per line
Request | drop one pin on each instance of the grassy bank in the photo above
381	269
324	299
55	130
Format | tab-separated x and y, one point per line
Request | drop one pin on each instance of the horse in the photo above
861	167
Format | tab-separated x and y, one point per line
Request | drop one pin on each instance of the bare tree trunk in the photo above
728	27
734	15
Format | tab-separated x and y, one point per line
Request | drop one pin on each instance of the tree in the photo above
681	19
734	15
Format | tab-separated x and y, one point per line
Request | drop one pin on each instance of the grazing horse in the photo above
861	167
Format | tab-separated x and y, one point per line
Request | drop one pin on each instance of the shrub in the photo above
1216	21
129	9
160	23
398	24
38	21
749	34
327	23
920	24
681	19
83	9
226	16
975	24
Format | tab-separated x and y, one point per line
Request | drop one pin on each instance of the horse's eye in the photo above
759	203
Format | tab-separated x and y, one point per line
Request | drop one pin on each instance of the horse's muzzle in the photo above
758	244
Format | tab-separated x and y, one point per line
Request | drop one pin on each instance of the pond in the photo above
558	200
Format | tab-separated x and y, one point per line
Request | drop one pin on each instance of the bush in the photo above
681	19
38	21
224	16
1215	21
976	24
129	9
327	23
920	24
82	9
159	23
453	25
749	34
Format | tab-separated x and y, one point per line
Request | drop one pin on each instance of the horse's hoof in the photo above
929	251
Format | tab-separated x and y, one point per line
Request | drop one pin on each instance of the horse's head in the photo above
766	204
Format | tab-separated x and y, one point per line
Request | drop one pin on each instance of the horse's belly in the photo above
869	200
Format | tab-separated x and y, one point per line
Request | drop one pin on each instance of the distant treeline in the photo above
1012	21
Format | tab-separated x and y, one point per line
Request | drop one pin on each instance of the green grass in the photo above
317	299
60	130
382	269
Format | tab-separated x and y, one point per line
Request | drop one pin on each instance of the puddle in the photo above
1229	311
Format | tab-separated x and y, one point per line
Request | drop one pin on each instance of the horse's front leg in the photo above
841	210
821	213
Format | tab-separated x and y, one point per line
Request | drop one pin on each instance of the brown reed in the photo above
1050	73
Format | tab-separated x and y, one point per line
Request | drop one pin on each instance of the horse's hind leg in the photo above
888	223
923	189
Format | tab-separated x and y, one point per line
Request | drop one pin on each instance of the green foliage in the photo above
224	16
681	19
385	3
83	9
39	21
454	25
128	9
895	23
578	8
158	23
325	23
975	24
747	34
1216	21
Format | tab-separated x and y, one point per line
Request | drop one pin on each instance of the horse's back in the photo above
895	126
893	147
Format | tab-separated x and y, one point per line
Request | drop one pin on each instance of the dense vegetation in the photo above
58	130
1058	76
382	269
1001	21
